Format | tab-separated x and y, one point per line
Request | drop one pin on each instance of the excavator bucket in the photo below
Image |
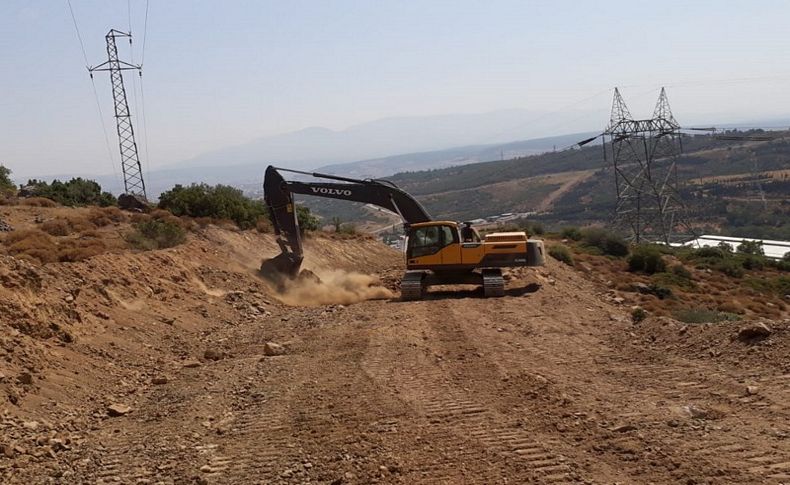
281	267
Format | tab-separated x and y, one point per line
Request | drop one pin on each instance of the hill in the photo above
575	187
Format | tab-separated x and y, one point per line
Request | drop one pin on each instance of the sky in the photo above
218	74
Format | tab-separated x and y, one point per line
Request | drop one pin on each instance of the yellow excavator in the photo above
437	252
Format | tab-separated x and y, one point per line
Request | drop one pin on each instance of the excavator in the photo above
437	252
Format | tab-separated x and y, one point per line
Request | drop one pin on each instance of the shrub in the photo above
708	252
660	291
729	267
607	242
307	221
638	314
264	225
218	202
38	202
703	315
56	227
725	247
32	244
156	234
561	253
572	233
646	259
673	279
75	192
751	247
753	263
681	271
535	228
348	229
105	216
7	186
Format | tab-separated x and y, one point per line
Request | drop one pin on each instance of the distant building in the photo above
772	249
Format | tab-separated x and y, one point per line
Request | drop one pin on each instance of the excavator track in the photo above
493	282
412	287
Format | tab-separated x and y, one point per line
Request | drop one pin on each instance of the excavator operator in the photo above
468	234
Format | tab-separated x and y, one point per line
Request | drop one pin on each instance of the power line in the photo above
110	158
79	37
145	33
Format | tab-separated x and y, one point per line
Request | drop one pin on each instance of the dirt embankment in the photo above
182	366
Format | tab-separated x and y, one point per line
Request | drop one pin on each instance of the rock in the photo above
30	424
641	288
272	349
753	332
585	267
159	380
190	363
624	428
750	390
8	450
102	315
116	410
69	298
618	300
695	412
683	329
2	377
25	378
213	354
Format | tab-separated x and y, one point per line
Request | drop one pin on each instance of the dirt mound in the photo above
726	342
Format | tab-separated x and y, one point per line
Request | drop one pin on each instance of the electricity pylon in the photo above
130	160
644	157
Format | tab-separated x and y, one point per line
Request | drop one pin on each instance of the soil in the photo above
183	366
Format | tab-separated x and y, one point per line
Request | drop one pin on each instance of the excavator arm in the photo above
278	194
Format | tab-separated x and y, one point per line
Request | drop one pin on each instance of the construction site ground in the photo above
156	367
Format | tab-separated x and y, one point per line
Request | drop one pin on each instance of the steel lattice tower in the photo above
644	155
130	160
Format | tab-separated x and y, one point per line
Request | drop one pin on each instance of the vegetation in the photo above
75	192
703	315
646	259
561	253
572	233
7	186
217	202
156	234
605	242
638	314
307	221
751	247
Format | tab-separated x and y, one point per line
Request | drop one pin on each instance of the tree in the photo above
218	201
751	247
75	192
307	221
6	184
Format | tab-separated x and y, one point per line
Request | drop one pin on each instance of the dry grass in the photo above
57	227
105	216
33	245
38	202
80	249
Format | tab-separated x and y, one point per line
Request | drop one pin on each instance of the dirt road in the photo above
550	384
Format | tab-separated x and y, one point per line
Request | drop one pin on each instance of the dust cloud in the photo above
335	287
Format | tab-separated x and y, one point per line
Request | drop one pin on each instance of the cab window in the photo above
429	240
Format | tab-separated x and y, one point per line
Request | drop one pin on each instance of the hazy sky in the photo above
219	73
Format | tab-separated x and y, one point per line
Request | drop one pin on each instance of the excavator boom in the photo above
278	194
